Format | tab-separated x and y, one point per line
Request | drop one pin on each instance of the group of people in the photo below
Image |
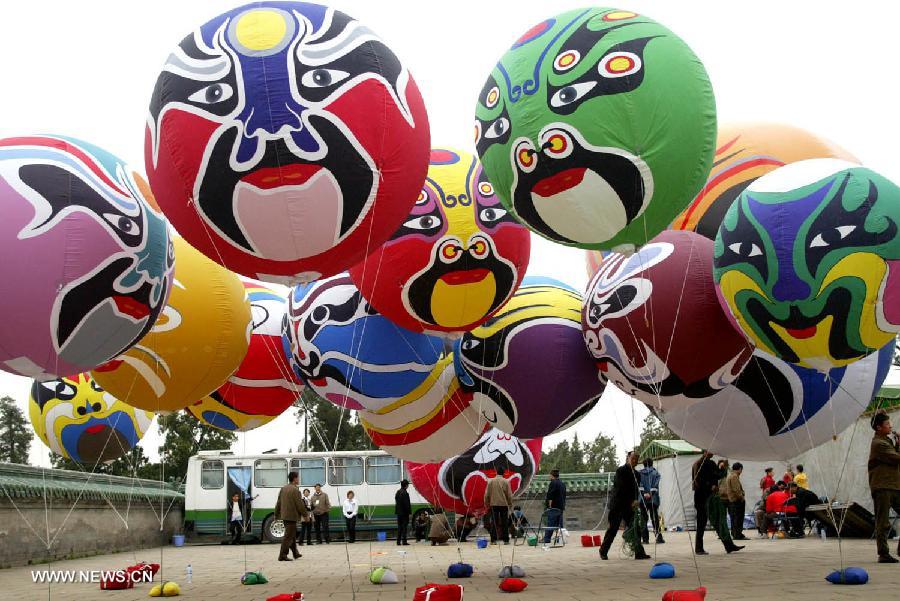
787	499
309	510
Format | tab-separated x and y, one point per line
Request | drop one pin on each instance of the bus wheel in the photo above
273	530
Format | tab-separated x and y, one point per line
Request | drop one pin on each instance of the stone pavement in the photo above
766	569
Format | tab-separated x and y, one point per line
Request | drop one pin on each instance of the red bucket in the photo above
587	540
597	541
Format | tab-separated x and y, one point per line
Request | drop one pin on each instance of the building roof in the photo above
592	482
25	481
657	449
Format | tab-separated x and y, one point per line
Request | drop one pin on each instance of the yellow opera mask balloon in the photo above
198	341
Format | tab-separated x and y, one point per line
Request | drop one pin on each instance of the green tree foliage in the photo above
327	422
654	429
580	457
183	435
15	433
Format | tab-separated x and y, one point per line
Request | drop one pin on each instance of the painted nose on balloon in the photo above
789	287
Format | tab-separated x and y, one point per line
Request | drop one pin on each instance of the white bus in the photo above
373	476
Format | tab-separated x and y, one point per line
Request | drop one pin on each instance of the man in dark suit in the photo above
556	504
403	509
705	480
290	509
623	503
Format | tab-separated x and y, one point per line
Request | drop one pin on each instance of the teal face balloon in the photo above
596	128
807	260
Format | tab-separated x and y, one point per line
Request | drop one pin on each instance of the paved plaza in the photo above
764	570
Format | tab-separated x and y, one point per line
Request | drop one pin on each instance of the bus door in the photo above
240	480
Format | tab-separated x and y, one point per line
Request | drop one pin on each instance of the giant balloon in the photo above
198	341
435	421
596	128
347	352
87	259
457	484
776	410
77	419
285	140
808	262
264	383
458	257
527	365
653	323
744	153
215	411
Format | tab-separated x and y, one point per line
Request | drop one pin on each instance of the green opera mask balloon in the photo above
597	128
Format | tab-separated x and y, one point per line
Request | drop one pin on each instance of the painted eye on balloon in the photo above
570	94
60	389
745	249
491	214
425	222
423	197
497	128
320	78
121	223
486	189
217	92
566	60
558	145
829	237
95	386
526	156
491	98
319	315
619	64
470	343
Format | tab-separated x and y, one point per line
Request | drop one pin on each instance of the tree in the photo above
133	464
600	455
654	429
580	457
327	423
183	435
15	433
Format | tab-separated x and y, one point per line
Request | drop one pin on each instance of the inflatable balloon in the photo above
285	140
87	257
198	341
79	420
808	262
527	365
457	484
348	353
597	127
653	323
435	421
457	258
264	383
215	411
744	153
592	260
776	410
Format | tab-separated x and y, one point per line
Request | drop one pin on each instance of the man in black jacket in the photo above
622	505
705	482
403	509
556	500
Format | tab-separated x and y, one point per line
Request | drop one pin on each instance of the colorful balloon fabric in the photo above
214	411
653	323
87	256
77	419
264	384
776	410
527	365
458	257
596	128
808	262
277	132
744	153
348	353
458	483
435	421
198	341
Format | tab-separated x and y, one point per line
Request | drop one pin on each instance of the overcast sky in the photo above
87	69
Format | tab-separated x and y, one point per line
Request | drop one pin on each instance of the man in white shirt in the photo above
350	510
235	519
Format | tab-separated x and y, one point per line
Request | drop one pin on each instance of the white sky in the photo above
87	69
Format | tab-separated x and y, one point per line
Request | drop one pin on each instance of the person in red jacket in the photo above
775	503
767	481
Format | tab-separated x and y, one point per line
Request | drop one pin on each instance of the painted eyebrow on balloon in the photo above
584	39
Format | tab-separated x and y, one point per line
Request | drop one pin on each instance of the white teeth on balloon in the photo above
601	213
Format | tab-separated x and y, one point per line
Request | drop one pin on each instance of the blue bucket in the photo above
481	542
178	540
381	536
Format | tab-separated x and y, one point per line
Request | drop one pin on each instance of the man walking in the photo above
556	505
649	500
403	509
623	502
737	502
289	508
498	496
705	481
321	506
884	481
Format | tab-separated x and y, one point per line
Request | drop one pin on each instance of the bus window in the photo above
270	473
212	475
383	469
312	471
345	470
